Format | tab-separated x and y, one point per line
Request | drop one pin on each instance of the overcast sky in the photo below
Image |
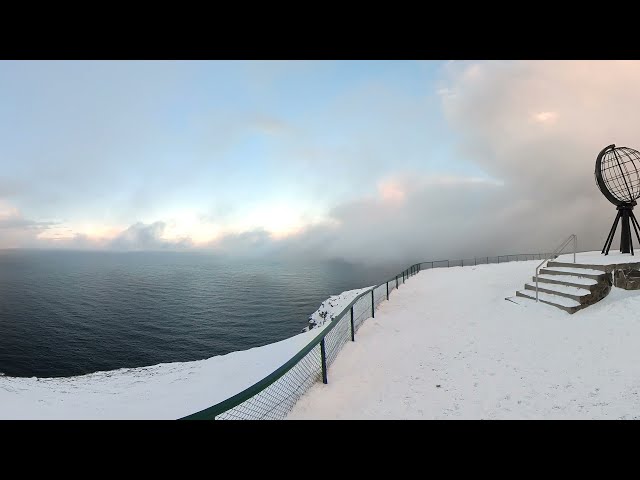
383	160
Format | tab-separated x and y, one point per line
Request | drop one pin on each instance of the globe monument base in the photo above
625	216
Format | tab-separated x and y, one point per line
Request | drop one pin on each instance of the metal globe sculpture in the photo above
618	178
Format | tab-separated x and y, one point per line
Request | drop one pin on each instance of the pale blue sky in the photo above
212	147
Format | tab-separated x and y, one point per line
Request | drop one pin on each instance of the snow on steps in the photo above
568	286
563	303
580	282
574	272
599	268
562	290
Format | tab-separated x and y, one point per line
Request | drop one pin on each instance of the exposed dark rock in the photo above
598	291
627	278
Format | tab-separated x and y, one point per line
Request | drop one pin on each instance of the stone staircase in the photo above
569	286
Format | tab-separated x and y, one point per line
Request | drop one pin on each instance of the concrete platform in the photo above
607	263
624	268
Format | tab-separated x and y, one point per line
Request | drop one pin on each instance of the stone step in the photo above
579	271
579	282
601	268
574	272
566	304
574	293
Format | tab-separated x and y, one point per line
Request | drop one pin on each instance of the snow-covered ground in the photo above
164	391
332	306
448	345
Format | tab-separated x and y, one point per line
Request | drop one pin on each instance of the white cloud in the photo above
140	236
546	117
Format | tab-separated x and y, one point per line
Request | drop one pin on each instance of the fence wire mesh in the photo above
361	311
379	294
336	338
276	399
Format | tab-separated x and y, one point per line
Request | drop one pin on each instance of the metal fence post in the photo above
447	263
323	359
396	282
403	277
353	338
373	310
387	290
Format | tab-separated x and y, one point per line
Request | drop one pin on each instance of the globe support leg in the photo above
636	227
612	232
625	233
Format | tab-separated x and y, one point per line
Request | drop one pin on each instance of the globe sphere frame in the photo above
617	175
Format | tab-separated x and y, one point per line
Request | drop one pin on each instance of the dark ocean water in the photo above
70	313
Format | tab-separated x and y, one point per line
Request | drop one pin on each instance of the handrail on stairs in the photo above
556	253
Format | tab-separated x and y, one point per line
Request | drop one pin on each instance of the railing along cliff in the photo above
276	394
